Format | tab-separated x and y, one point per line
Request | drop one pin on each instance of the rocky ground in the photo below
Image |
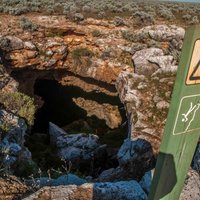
134	64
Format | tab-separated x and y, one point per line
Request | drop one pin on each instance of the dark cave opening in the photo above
58	106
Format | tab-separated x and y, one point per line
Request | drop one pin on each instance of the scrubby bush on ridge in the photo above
27	24
19	104
152	10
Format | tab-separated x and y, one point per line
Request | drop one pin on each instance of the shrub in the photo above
186	17
101	15
127	35
73	8
195	20
143	18
1	9
26	24
4	127
24	168
86	8
78	17
118	21
96	33
18	10
82	52
50	10
4	43
167	14
19	104
106	53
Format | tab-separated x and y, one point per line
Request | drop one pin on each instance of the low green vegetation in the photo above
96	33
19	104
142	12
4	128
27	24
82	54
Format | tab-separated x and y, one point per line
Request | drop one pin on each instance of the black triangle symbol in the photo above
192	76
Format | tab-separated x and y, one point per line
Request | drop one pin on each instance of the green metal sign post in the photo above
182	128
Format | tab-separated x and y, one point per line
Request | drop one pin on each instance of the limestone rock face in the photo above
11	188
12	143
146	89
127	190
7	83
104	111
191	190
162	32
61	59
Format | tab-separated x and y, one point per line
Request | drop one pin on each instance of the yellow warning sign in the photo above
193	76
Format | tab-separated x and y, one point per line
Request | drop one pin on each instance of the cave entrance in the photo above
58	107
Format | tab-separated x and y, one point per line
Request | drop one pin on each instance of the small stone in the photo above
51	62
49	53
142	86
157	99
29	45
31	54
168	94
162	105
62	50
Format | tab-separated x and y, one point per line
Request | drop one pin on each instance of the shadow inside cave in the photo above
60	108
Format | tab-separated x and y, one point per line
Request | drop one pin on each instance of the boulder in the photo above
77	148
68	179
145	182
165	33
141	60
55	132
29	45
162	32
113	174
124	190
136	156
11	43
